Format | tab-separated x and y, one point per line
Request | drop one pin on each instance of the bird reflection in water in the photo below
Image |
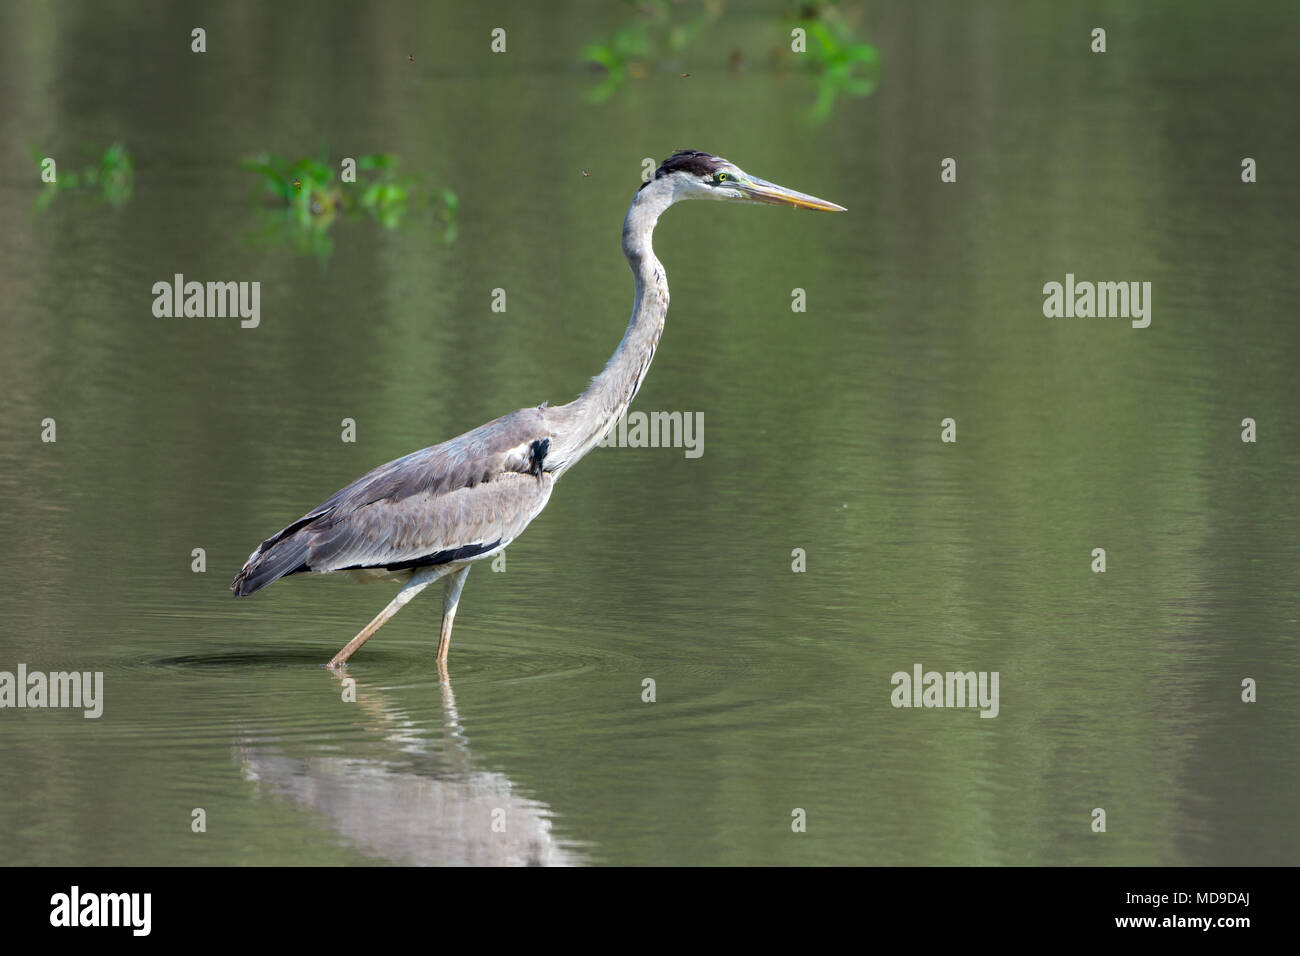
421	802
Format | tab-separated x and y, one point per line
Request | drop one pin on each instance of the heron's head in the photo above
693	174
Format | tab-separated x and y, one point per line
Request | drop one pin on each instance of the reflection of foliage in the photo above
308	200
839	62
654	35
111	179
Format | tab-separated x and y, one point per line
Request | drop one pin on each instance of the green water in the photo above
822	432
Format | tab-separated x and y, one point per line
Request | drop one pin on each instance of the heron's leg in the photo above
449	601
419	581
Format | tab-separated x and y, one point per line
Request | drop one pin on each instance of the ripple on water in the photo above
208	695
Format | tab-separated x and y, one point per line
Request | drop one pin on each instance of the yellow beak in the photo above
760	190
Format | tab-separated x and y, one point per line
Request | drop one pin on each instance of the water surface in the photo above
1118	690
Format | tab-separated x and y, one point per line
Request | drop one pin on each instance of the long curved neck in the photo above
583	422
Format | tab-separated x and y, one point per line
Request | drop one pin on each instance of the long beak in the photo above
760	190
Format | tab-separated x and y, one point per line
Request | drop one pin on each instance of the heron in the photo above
434	513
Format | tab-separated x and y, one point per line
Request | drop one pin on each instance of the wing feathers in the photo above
464	498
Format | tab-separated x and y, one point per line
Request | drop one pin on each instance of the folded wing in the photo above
465	498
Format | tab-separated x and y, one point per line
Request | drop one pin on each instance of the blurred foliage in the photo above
109	179
659	31
835	58
305	199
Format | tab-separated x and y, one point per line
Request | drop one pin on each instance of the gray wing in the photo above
461	499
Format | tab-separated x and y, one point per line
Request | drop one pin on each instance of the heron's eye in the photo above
722	177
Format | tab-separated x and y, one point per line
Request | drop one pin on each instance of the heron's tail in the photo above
281	554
